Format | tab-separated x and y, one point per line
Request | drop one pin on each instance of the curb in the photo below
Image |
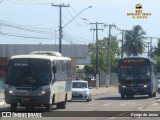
103	90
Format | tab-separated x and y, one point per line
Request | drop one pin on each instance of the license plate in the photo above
76	94
26	99
135	90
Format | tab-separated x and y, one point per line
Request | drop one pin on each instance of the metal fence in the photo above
113	79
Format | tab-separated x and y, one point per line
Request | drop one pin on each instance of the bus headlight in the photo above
11	90
123	86
43	90
145	86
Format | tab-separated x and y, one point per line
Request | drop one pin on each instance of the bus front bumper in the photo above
25	100
135	90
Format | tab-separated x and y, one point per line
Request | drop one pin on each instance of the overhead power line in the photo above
28	2
36	30
1	1
20	36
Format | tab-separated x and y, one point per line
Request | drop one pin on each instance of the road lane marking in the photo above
92	104
124	104
107	104
76	104
155	104
138	104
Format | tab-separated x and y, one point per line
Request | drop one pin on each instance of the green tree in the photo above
102	47
157	59
156	49
134	41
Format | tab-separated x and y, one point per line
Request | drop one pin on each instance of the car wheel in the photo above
88	100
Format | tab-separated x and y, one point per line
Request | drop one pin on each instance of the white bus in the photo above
40	79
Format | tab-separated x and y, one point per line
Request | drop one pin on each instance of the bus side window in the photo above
68	67
54	69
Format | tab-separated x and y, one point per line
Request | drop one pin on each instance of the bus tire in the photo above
154	94
13	107
48	107
150	95
62	105
122	96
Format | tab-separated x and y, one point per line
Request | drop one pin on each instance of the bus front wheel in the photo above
150	95
13	107
48	107
154	94
122	96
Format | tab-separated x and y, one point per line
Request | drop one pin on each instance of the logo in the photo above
139	14
138	6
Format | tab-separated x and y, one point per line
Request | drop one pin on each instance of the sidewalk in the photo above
102	90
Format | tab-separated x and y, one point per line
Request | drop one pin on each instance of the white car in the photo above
81	90
159	86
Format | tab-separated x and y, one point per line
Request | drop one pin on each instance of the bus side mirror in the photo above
54	69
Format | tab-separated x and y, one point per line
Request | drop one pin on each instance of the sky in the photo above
37	21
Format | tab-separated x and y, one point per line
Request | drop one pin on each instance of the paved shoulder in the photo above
102	90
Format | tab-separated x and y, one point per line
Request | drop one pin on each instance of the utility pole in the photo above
150	46
123	33
60	24
97	57
148	49
108	55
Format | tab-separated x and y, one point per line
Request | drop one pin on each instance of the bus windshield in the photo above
29	72
134	71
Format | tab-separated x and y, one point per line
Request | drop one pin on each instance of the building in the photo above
73	51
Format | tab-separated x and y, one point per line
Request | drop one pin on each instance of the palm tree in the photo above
134	44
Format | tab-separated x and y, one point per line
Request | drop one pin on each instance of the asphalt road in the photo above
107	105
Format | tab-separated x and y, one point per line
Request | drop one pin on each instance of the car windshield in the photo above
29	72
79	85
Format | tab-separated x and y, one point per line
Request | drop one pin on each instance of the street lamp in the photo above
76	16
60	28
93	30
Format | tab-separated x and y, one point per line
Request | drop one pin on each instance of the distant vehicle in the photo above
81	90
92	78
137	76
40	79
159	86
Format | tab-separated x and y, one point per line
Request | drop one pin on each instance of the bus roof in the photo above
137	57
40	56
